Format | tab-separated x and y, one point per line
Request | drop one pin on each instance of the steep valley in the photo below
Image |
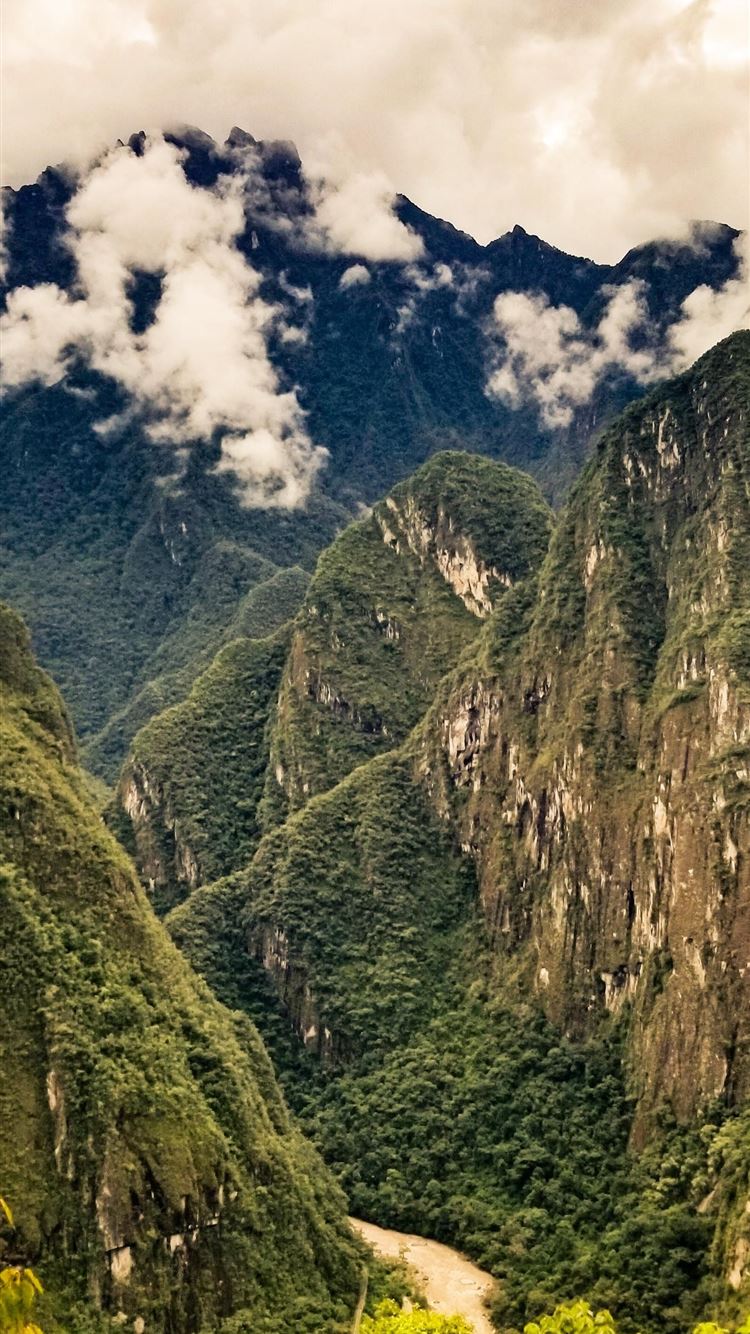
493	863
402	868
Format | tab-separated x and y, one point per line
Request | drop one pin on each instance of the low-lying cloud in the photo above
357	275
351	211
708	315
354	216
201	368
547	356
543	355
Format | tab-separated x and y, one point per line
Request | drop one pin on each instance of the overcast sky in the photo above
595	123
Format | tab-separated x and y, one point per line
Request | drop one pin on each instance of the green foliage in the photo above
710	1327
446	1105
382	623
207	758
227	604
19	1289
577	1318
498	508
458	1112
131	586
116	1058
390	1319
371	897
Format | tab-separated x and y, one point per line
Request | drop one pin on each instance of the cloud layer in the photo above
598	124
201	367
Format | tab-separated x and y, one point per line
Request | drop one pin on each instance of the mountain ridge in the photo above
154	1172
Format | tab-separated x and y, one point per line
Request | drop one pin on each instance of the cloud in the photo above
547	357
423	280
542	354
354	216
349	211
357	275
709	315
201	367
597	125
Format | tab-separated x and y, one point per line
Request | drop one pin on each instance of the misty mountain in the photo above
130	583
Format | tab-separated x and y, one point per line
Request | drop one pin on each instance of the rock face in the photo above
592	755
152	1167
601	747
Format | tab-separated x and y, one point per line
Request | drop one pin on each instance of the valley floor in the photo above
450	1282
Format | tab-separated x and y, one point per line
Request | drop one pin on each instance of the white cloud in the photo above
423	280
357	275
202	365
547	357
354	216
709	315
597	124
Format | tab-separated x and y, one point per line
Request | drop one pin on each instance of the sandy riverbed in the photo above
451	1283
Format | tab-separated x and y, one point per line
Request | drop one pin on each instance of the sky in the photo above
597	124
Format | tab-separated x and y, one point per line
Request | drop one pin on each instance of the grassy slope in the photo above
235	594
207	758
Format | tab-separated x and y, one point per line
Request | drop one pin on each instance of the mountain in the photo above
131	586
512	924
152	1166
387	612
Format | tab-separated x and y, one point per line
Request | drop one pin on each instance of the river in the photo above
451	1283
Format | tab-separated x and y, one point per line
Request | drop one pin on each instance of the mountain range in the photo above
386	371
402	866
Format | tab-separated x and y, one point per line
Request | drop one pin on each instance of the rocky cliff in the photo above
601	756
390	607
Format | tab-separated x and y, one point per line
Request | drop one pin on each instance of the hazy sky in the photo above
595	123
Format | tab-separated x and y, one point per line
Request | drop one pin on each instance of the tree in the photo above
390	1319
19	1288
709	1327
578	1318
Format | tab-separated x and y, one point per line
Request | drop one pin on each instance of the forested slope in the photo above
145	1149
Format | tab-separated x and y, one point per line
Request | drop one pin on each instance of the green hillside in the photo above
146	1151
